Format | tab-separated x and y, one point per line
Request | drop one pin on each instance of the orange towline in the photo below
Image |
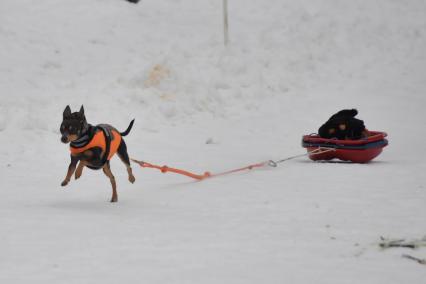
165	169
270	163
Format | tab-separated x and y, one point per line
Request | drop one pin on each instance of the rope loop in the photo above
272	164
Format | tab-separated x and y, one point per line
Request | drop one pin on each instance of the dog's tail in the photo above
128	128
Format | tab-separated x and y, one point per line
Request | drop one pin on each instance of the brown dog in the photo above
93	147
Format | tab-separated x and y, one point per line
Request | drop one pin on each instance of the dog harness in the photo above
105	138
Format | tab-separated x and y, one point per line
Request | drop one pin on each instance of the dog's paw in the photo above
114	199
77	175
64	183
132	178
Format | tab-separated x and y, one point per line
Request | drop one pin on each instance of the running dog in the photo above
93	147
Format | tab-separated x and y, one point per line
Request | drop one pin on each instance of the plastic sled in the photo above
357	151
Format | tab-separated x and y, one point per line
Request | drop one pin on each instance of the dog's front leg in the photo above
79	170
71	169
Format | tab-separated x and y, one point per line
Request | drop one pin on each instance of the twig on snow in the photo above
418	260
401	243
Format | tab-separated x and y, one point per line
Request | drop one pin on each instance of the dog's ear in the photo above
67	112
81	112
345	114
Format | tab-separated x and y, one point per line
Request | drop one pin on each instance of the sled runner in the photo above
357	151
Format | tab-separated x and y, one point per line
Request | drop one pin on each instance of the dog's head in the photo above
73	125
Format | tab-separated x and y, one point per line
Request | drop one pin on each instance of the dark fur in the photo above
74	126
343	125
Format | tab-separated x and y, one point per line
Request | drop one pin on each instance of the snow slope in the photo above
290	65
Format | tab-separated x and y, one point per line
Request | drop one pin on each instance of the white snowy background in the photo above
289	66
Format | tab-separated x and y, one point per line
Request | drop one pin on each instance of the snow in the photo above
289	66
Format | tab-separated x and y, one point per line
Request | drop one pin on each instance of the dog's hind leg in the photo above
108	173
124	157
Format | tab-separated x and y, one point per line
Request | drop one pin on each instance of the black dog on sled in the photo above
93	147
343	125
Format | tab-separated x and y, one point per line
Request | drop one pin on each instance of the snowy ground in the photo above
289	66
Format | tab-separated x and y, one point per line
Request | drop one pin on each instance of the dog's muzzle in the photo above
64	139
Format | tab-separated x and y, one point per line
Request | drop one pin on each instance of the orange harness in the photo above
100	140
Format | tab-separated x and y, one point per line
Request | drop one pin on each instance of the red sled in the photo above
357	151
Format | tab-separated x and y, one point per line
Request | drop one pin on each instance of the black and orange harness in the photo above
102	136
